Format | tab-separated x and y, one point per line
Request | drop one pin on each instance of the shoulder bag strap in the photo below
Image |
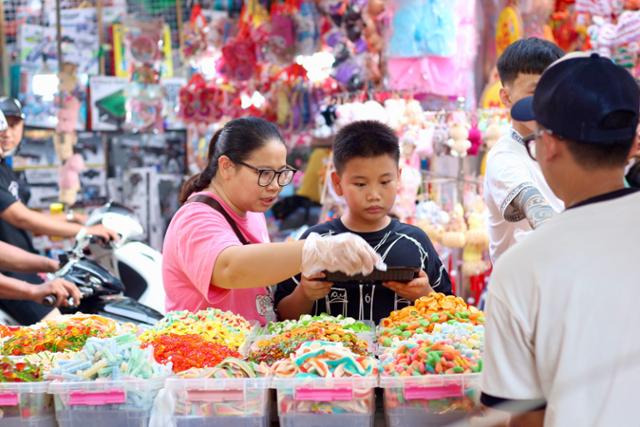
214	204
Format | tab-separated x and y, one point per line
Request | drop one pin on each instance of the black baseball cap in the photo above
576	95
11	107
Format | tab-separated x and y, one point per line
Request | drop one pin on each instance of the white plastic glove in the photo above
346	252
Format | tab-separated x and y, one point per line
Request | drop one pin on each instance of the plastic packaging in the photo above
125	403
26	405
237	402
432	400
330	402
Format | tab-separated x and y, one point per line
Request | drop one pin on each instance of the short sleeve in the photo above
507	176
204	234
438	276
6	198
509	371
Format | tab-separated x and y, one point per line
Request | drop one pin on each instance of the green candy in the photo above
406	334
387	342
403	326
419	331
435	317
458	370
423	322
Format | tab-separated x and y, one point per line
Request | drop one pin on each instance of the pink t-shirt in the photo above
196	236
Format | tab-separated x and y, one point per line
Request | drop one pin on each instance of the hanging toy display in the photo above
194	35
459	135
144	108
69	95
144	48
307	32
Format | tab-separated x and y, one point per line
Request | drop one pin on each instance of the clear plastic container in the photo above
434	400
125	403
26	405
326	402
233	402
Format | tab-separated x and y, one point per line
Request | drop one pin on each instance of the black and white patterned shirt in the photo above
400	245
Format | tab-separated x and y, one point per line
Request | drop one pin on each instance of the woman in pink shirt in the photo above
217	252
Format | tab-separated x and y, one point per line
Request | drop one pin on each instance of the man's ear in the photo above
553	147
337	183
504	97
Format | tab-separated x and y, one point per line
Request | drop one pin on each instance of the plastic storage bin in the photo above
26	405
326	402
434	400
125	403
232	402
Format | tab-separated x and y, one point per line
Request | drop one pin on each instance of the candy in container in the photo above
111	382
24	400
233	393
325	383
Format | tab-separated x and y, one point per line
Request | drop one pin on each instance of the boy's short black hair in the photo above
527	56
366	138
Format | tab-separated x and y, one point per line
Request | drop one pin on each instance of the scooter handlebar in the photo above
51	300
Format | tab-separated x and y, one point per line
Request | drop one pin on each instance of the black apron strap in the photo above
214	204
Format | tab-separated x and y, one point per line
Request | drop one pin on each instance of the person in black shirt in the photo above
366	156
17	221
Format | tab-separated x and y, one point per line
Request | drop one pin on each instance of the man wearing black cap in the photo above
17	221
561	342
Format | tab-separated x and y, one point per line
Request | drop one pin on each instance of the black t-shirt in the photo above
11	193
401	245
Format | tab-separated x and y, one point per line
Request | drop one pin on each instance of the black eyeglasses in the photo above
529	141
266	176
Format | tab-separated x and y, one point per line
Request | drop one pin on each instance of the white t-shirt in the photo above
562	317
510	170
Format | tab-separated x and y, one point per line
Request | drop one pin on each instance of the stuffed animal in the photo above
455	232
70	179
459	139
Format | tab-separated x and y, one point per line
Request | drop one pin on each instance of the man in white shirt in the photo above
517	195
562	345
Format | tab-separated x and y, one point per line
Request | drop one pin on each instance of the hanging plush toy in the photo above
455	232
459	139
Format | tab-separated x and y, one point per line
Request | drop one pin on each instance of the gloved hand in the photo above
346	252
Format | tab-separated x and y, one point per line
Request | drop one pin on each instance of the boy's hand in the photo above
314	289
413	290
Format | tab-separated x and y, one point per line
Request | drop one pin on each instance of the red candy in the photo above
189	351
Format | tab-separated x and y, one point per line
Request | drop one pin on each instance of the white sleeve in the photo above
507	176
509	370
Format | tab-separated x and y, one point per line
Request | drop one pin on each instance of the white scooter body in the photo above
135	263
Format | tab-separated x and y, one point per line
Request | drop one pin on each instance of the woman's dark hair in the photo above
236	140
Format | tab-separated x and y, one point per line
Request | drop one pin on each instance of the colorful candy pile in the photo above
348	323
110	358
422	317
425	357
18	372
67	334
219	402
188	351
278	347
229	368
325	359
213	325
